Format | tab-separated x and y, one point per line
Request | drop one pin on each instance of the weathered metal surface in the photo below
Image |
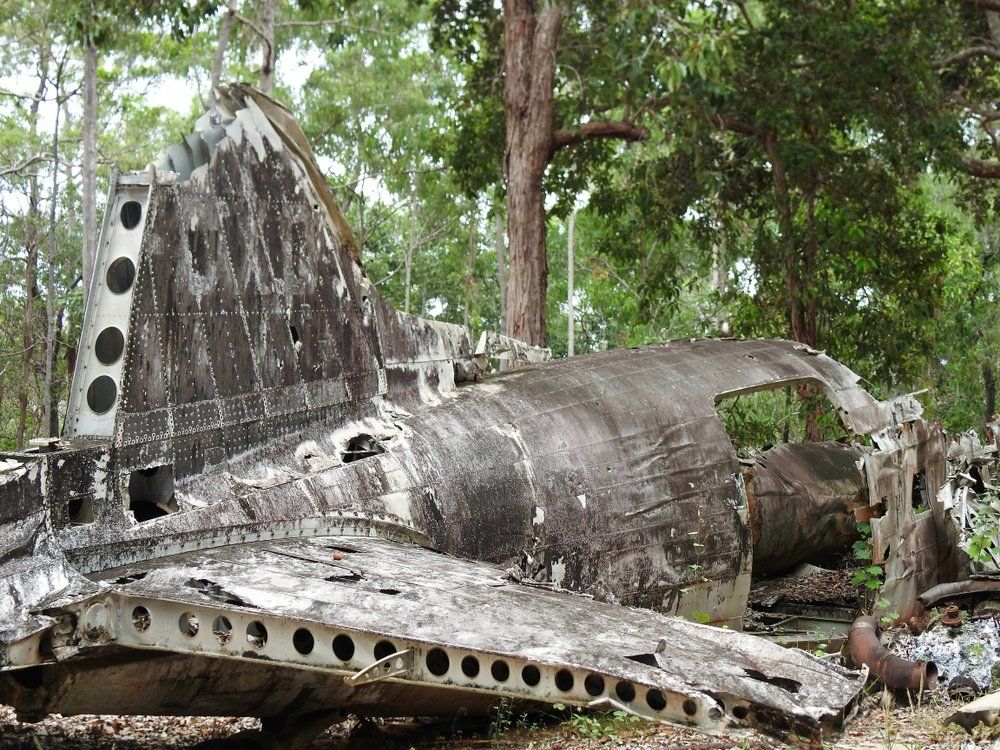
967	589
338	606
984	710
912	534
263	392
802	500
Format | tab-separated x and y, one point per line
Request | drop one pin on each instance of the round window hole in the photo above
500	671
564	680
131	214
188	624
222	629
109	346
303	641
740	712
470	666
690	707
102	394
438	662
655	700
121	274
256	634
343	647
141	619
594	684
531	675
383	649
625	691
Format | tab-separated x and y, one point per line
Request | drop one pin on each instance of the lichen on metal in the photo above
284	456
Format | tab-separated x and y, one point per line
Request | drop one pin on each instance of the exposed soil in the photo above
877	728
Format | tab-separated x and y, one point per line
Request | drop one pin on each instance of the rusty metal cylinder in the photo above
894	672
802	498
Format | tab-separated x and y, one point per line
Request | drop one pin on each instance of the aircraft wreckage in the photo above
277	496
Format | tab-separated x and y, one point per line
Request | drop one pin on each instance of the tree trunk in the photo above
569	283
501	267
530	36
51	400
220	53
470	259
89	166
32	240
799	271
990	385
269	51
411	245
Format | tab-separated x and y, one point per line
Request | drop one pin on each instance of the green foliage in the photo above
594	725
681	236
982	545
757	421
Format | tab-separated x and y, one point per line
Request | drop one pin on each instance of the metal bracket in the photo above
383	669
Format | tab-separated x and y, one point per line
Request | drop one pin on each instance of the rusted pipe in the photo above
959	590
894	672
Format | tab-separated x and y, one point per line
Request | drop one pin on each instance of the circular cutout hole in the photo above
625	691
500	671
131	214
102	394
531	675
141	619
655	700
438	662
740	712
690	707
121	274
594	684
383	649
564	680
109	345
256	634
222	629
343	647
470	666
188	624
303	641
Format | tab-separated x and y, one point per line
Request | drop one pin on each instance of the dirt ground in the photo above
877	727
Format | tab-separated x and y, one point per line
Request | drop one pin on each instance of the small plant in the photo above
702	617
594	726
868	578
502	720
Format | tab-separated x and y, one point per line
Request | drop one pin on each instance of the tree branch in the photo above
247	22
993	5
989	170
965	55
16	168
589	131
735	126
331	22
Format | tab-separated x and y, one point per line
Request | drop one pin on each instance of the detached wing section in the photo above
378	627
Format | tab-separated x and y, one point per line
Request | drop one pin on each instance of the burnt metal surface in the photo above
803	500
265	398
